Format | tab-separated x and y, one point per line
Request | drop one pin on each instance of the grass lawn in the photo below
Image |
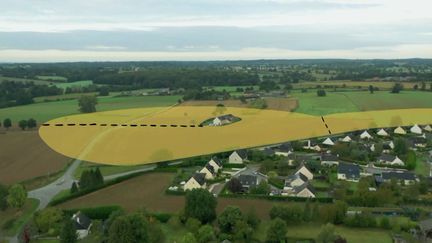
311	231
17	217
43	112
339	102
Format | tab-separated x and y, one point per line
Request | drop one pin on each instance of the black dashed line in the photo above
133	125
58	125
183	125
173	125
163	125
123	125
114	125
153	125
103	125
83	124
45	125
92	124
71	124
143	125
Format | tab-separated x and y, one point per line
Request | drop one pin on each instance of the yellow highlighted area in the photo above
131	145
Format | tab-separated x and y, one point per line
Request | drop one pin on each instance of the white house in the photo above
427	128
82	224
365	135
328	142
216	163
197	181
400	131
209	172
303	170
223	120
390	160
294	181
284	149
382	133
416	129
304	190
238	157
346	139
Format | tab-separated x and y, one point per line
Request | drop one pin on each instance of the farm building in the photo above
82	224
390	160
238	157
400	131
195	182
416	129
223	120
348	172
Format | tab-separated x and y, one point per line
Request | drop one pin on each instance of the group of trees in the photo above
89	179
23	124
14	196
87	103
207	94
22	93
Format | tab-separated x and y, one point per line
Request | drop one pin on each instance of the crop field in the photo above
339	102
45	111
148	135
74	84
23	156
148	191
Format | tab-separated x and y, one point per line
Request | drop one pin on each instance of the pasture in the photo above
52	78
74	84
45	111
148	135
24	156
354	84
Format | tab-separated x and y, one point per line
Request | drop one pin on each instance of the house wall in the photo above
305	172
192	184
215	165
208	174
341	176
305	193
234	158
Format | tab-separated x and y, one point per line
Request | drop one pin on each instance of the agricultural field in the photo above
340	102
24	156
11	220
45	111
52	78
74	84
354	84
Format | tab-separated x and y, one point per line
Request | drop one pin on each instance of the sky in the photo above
144	30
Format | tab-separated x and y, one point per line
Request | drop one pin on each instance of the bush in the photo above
100	213
8	224
321	93
162	217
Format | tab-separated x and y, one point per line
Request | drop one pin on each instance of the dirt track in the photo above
23	156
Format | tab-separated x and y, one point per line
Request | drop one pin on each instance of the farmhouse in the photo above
400	131
248	181
209	172
82	224
215	163
303	170
382	133
348	172
406	178
195	182
238	157
416	129
329	159
223	120
390	160
328	142
365	135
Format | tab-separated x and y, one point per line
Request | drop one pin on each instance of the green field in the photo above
52	78
17	217
74	84
46	111
339	102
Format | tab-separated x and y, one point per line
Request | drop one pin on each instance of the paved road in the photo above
142	169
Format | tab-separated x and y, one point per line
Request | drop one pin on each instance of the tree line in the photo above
22	93
23	124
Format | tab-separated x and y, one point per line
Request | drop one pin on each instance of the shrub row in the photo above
279	198
101	213
227	165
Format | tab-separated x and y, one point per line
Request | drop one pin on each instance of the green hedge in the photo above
279	183
162	217
278	198
227	165
100	213
175	193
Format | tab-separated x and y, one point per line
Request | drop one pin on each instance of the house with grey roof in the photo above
348	172
238	157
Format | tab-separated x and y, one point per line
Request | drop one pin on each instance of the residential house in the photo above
404	177
365	135
388	147
346	139
400	131
195	182
223	120
416	129
419	142
268	151
238	157
305	190
382	133
82	224
328	142
348	172
209	172
312	145
427	128
284	149
329	159
248	181
390	160
216	163
305	171
293	181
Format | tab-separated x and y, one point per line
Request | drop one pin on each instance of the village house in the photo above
215	163
312	145
399	131
305	171
293	181
329	159
197	181
348	172
82	224
346	139
416	129
328	142
284	149
305	190
209	172
238	157
382	133
418	142
248	181
427	128
403	177
390	160
365	135
223	120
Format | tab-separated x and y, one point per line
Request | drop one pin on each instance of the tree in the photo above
22	124
423	86
189	238
228	218
200	204
68	233
234	185
242	231
104	91
400	146
193	225
262	188
327	234
252	219
7	123
385	223
74	188
87	103
129	229
206	234
371	89
48	220
321	93
397	88
277	231
17	196
411	160
31	123
3	197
